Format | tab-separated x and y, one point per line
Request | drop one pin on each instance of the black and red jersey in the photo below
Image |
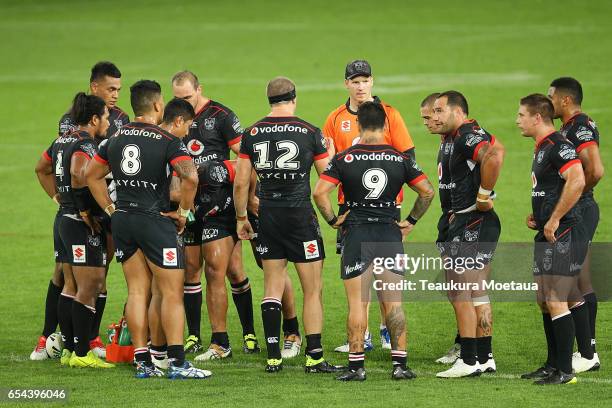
464	169
372	176
140	157
282	151
582	131
445	184
116	118
215	128
60	155
553	155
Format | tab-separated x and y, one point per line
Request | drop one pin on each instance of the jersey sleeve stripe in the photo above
477	149
179	159
82	154
568	165
234	141
99	159
320	156
330	179
585	145
417	179
230	169
46	156
244	156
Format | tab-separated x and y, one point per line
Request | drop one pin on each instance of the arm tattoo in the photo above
185	169
175	184
396	323
326	211
421	204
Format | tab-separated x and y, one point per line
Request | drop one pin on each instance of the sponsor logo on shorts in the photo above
261	249
272	340
78	254
118	253
471	236
93	240
311	249
170	257
354	268
346	126
210	233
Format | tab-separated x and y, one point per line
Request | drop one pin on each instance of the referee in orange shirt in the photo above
341	129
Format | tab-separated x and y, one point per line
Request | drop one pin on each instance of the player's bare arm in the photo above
242	181
188	175
175	189
592	166
321	164
491	159
78	166
574	185
321	198
426	194
44	172
95	175
253	203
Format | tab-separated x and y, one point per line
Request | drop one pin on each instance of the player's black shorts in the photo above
155	235
218	228
58	247
443	225
192	236
473	235
564	257
364	244
82	248
254	221
290	233
339	234
589	211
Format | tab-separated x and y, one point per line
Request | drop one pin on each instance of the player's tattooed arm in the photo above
95	175
491	159
188	174
321	198
78	165
175	189
426	194
44	172
253	202
593	167
242	179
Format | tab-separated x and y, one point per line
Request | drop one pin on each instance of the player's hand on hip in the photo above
244	229
340	220
530	221
178	220
484	206
253	206
91	222
405	228
331	149
550	228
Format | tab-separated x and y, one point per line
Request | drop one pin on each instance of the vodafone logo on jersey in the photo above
345	126
349	158
278	128
254	131
195	147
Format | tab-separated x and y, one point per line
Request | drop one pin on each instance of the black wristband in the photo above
411	219
81	199
333	221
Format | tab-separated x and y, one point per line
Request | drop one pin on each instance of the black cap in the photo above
357	68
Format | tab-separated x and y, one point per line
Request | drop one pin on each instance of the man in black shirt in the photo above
561	242
474	166
373	174
581	130
215	131
282	149
141	157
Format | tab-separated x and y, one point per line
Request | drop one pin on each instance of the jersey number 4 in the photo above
285	160
374	180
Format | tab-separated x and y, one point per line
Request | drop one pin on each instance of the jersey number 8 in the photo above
374	180
130	160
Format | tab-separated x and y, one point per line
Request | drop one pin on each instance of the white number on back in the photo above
374	180
285	161
130	161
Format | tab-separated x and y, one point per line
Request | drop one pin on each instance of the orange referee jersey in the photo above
341	127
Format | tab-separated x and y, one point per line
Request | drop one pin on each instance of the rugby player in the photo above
373	173
148	245
561	241
341	127
581	130
474	167
104	82
80	232
282	149
215	131
444	192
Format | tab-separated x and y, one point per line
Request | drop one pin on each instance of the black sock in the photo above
484	349
82	320
457	338
583	330
142	354
551	345
271	316
563	327
291	326
100	305
53	293
64	317
220	338
313	346
356	360
243	299
468	350
591	301
399	358
159	352
177	353
192	297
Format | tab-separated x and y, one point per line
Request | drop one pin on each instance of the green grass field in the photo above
494	52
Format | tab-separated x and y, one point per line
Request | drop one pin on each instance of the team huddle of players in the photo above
162	196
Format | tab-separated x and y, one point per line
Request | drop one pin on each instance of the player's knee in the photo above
214	275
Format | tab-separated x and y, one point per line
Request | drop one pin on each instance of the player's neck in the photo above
202	102
354	105
542	132
371	137
87	129
148	118
570	113
281	111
